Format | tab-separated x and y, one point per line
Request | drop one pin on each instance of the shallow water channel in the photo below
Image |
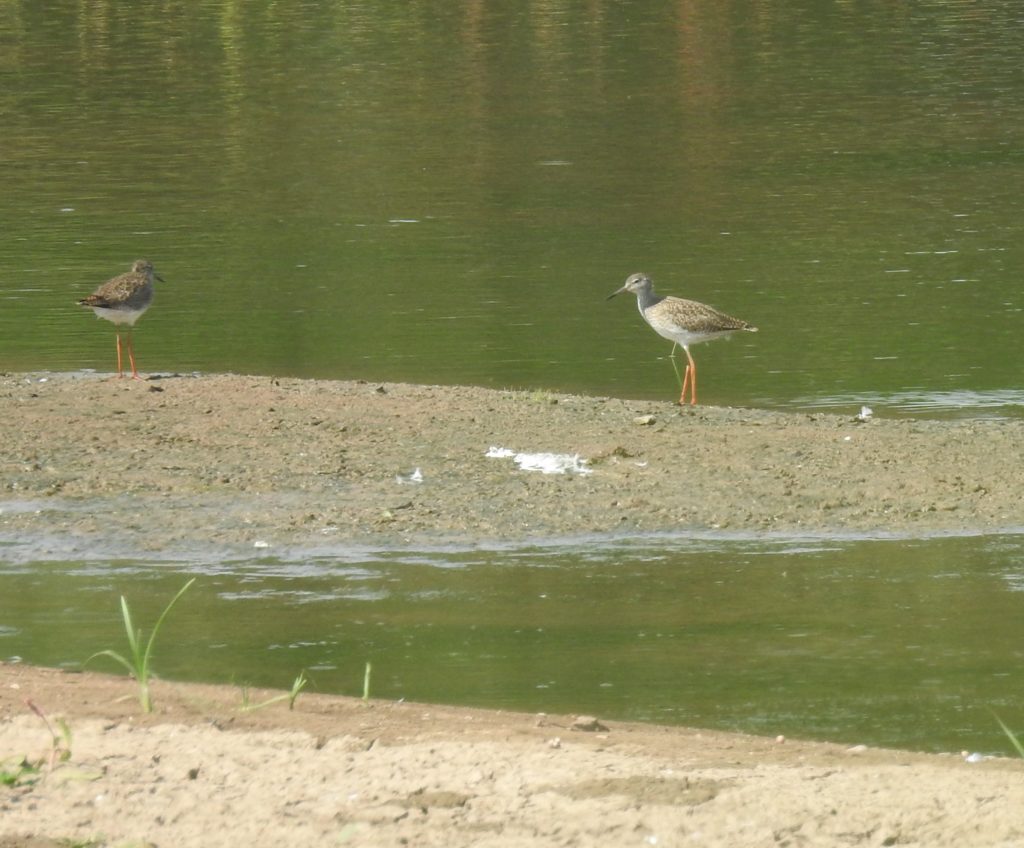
902	642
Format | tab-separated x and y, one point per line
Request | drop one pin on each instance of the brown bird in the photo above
123	300
683	322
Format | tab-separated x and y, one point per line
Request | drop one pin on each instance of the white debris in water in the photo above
416	476
546	463
864	415
551	463
261	544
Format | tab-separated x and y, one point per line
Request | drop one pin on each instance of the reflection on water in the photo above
446	194
903	642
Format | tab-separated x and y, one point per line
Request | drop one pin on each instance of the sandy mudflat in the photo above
231	461
225	463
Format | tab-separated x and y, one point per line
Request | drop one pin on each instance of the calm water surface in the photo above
904	643
446	194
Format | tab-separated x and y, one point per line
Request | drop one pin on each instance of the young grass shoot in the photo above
138	662
26	772
290	696
1014	739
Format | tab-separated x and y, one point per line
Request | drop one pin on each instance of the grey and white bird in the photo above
683	322
123	300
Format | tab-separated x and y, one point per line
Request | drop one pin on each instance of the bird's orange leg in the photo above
689	377
131	356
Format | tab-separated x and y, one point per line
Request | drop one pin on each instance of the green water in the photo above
902	643
446	192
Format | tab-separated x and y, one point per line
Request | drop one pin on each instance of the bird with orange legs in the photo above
683	322
122	301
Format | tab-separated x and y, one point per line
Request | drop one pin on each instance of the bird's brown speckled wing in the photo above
697	317
126	290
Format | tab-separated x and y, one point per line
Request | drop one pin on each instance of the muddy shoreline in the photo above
230	462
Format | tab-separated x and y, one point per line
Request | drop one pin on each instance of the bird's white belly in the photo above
683	336
118	316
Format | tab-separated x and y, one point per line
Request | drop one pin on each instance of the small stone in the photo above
588	724
644	420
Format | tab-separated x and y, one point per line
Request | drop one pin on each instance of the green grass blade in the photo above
129	629
1011	736
138	666
114	656
160	621
297	686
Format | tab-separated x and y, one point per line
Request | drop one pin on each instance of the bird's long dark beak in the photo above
161	279
617	291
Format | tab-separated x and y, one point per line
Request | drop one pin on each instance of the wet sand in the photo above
229	462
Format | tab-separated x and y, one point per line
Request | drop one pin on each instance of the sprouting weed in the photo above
138	665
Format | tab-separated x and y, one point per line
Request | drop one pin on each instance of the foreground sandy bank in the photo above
236	460
336	771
